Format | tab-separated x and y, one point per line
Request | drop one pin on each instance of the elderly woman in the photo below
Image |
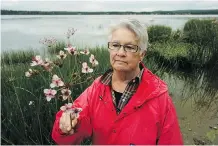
127	104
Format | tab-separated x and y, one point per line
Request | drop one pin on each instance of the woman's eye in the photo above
116	45
129	48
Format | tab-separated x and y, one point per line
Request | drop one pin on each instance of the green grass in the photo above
14	57
171	50
54	49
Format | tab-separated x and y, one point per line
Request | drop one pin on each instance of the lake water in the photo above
25	31
196	103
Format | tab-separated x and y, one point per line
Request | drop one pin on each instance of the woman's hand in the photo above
68	122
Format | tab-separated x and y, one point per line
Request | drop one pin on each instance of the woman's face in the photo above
120	59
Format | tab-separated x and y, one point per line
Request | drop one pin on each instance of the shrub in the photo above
159	33
177	35
201	32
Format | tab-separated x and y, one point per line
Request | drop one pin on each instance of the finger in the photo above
74	122
68	121
73	116
61	122
63	129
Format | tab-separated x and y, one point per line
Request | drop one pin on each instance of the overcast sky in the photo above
106	5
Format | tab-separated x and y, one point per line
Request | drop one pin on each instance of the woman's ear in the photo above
142	55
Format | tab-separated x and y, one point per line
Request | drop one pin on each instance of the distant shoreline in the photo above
177	12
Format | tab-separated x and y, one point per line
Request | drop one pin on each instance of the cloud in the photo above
106	5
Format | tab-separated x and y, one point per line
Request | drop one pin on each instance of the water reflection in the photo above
196	101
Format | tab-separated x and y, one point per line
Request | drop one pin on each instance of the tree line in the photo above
177	12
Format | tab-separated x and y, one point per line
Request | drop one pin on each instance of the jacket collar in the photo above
107	76
149	88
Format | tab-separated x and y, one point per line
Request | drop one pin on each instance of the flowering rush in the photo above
29	73
85	52
71	50
86	68
62	55
93	61
70	32
47	65
36	60
48	41
56	82
69	107
65	93
49	93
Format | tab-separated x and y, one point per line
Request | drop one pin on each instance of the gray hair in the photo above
136	27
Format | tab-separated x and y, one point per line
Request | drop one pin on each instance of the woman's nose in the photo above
121	51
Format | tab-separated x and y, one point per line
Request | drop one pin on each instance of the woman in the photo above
126	105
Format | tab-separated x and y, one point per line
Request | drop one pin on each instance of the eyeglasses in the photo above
128	48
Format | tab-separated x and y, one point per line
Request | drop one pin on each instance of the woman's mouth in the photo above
120	61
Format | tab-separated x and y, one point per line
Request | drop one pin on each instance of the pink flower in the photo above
47	65
71	50
69	107
86	68
56	82
36	61
29	73
66	93
93	61
62	55
86	52
49	93
66	107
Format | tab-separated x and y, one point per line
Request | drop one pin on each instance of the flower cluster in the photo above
70	32
31	72
71	50
93	61
85	52
38	61
48	41
57	82
48	65
69	107
57	86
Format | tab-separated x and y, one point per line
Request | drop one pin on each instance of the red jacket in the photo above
149	116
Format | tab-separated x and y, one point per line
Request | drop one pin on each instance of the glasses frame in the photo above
138	48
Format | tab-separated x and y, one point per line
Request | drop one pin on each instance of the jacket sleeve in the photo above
170	133
83	127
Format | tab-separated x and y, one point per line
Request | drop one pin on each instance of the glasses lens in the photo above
114	46
131	48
